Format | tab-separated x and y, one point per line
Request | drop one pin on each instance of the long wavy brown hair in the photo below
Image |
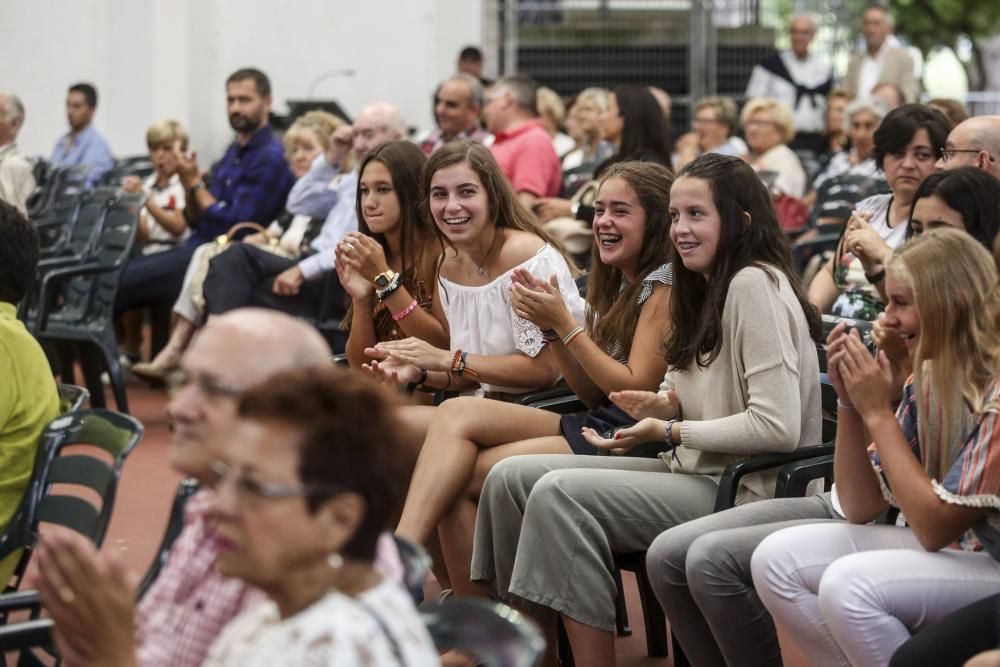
611	312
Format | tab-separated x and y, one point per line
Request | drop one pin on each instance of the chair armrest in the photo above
19	600
794	478
25	635
730	482
535	396
49	280
562	405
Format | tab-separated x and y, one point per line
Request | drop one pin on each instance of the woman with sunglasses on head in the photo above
620	347
851	593
394	244
907	145
742	379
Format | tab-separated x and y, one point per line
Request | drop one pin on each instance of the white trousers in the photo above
851	595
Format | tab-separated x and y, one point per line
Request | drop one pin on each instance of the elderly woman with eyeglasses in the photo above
768	126
302	492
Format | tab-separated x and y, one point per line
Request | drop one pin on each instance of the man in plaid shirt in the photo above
249	183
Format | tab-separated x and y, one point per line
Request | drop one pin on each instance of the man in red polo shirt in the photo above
522	148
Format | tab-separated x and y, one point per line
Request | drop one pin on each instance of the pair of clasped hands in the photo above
862	241
401	361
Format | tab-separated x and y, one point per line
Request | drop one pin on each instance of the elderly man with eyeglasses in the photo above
973	143
187	606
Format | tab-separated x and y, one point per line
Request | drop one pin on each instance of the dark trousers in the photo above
955	638
244	275
151	279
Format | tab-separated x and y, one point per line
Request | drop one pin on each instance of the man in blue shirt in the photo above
83	144
249	183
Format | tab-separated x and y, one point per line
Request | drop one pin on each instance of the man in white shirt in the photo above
880	62
799	79
16	178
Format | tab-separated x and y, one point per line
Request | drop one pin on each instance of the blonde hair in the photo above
596	96
322	124
550	105
780	114
166	132
954	284
724	108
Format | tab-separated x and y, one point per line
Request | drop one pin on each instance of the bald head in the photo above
977	144
271	341
377	124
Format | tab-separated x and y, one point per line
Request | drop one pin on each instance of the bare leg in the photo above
591	647
458	526
447	461
170	356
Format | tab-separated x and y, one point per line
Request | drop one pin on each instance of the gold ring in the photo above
66	594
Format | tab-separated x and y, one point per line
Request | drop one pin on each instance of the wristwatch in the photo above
383	279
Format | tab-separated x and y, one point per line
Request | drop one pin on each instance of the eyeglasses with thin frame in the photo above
210	387
249	488
948	153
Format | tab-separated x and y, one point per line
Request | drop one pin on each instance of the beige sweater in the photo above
760	395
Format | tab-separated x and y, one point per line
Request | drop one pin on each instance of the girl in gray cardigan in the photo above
742	379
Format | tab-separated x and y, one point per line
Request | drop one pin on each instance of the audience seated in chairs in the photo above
619	349
389	267
183	611
907	144
310	136
549	526
249	276
28	396
250	182
851	593
301	493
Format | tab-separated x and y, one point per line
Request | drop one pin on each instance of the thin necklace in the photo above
481	268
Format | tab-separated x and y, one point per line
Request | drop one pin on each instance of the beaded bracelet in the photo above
406	311
568	338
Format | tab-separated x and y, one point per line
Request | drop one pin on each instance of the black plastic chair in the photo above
53	184
114	433
86	315
491	633
71	398
792	481
175	524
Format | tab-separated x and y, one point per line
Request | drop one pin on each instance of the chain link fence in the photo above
690	48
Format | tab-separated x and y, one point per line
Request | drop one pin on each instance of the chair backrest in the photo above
175	524
86	230
491	633
55	226
95	294
114	433
71	398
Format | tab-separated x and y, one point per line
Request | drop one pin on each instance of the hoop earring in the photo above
335	561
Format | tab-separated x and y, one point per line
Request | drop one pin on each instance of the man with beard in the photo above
249	183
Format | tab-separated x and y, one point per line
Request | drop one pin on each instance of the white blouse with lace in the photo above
482	321
381	628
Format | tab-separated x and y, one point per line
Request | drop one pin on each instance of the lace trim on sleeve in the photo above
527	337
979	501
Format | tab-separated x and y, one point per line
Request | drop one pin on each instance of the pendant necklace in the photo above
481	268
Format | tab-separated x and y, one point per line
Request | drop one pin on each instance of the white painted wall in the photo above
153	59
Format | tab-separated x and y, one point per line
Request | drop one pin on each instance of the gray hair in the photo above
872	105
805	16
522	89
476	93
13	107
